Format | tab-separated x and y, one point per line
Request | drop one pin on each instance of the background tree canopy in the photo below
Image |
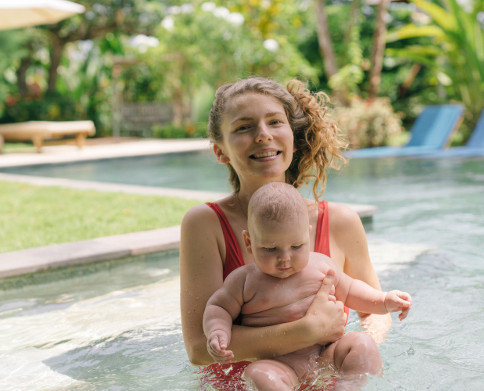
178	52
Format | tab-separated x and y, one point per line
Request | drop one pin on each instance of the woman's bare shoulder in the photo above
200	215
196	213
342	216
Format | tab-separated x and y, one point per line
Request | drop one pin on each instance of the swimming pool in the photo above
116	325
195	170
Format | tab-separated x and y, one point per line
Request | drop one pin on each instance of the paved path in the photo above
111	247
70	153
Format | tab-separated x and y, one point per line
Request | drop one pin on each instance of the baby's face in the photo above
281	248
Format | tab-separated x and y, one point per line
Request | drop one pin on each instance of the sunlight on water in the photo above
116	325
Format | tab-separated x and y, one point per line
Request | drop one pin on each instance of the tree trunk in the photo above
324	39
178	107
56	50
378	49
22	75
354	15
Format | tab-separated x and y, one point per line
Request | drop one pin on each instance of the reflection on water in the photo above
116	325
185	170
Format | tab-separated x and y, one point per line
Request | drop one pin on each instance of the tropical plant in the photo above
201	43
368	122
456	50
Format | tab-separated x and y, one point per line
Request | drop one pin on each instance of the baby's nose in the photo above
284	257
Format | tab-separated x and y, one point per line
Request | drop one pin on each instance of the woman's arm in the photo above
201	275
323	323
349	248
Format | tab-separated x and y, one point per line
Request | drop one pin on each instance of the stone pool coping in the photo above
111	247
70	153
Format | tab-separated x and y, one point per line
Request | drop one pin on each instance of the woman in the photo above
264	133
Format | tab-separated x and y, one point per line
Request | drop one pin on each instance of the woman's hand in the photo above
325	319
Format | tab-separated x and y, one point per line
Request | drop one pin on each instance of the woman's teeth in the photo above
264	154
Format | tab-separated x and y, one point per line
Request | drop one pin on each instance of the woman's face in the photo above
257	139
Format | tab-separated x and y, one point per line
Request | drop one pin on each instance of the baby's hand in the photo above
398	301
217	347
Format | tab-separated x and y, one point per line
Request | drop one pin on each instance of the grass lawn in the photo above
18	147
32	216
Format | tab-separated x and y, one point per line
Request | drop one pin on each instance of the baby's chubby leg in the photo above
270	375
353	355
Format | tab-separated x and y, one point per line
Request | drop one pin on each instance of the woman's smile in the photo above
265	155
257	137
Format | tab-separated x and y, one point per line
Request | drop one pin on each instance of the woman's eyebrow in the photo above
274	113
267	115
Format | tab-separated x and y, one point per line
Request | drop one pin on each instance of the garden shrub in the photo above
368	123
195	130
50	107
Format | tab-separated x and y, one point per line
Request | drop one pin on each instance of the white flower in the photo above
235	18
221	12
208	6
168	23
143	42
271	44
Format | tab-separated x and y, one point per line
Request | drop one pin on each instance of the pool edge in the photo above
104	248
110	247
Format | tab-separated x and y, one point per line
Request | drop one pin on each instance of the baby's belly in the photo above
282	314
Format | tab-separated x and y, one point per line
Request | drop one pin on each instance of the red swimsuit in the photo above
227	376
233	254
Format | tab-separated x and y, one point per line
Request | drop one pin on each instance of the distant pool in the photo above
116	325
197	170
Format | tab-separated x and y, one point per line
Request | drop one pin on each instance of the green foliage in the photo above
13	47
350	75
52	107
368	123
456	51
203	44
195	130
32	216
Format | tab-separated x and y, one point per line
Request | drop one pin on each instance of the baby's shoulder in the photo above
320	261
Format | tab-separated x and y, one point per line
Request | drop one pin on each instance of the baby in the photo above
280	285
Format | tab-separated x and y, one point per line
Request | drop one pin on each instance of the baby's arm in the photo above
362	297
222	308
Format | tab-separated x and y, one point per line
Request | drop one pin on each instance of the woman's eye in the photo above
242	128
275	122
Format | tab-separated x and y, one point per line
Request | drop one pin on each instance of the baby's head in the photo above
278	229
278	202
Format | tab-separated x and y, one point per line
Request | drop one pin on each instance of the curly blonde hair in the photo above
316	138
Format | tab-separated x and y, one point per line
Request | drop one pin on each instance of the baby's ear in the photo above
246	236
220	155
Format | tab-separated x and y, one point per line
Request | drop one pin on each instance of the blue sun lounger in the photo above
473	148
430	132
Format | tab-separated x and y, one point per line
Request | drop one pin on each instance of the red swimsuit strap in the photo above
233	254
322	230
322	235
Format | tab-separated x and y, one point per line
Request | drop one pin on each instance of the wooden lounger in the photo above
38	131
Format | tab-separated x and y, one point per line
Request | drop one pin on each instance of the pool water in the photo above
116	325
196	170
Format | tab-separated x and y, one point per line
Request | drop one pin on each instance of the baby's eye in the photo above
297	247
269	249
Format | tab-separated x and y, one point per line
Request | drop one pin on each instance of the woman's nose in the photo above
263	133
